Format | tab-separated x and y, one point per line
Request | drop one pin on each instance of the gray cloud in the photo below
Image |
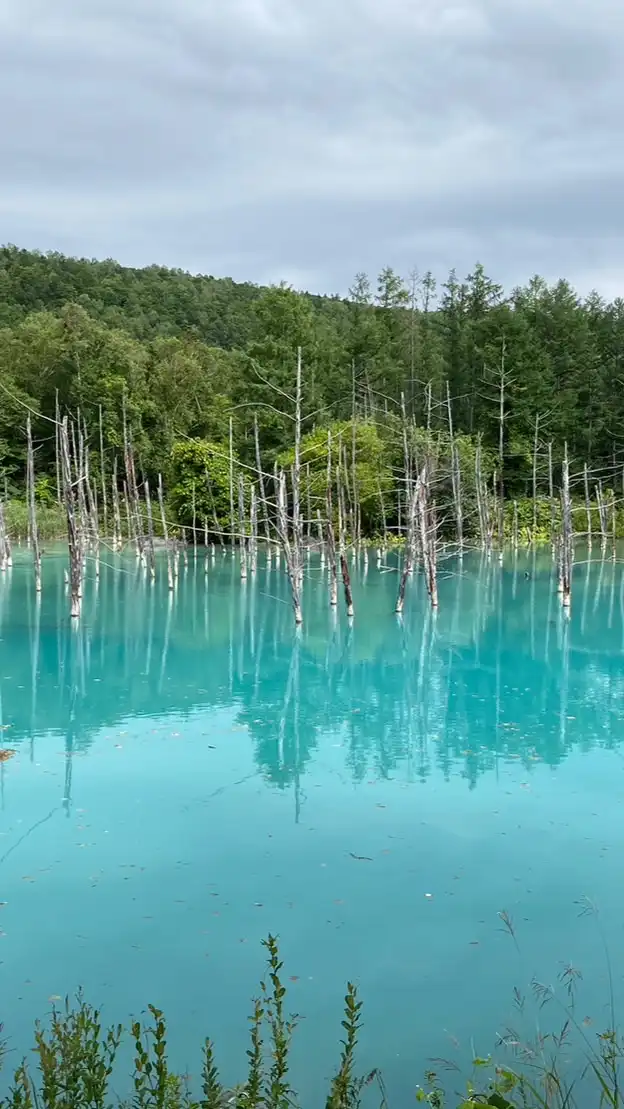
308	139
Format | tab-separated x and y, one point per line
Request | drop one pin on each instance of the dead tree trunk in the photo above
103	477
483	504
603	517
242	528
535	446
410	548
504	381
232	518
308	504
33	533
357	526
92	513
117	529
161	502
455	474
344	566
57	447
5	548
73	531
194	517
588	514
265	510
81	500
132	488
129	528
567	552
428	532
292	567
330	537
319	536
431	562
551	495
296	477
384	520
151	559
253	530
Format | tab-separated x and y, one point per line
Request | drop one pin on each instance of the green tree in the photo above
359	450
199	485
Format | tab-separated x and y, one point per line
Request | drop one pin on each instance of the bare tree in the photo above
33	533
161	502
566	551
73	532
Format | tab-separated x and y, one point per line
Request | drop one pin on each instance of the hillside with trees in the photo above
185	355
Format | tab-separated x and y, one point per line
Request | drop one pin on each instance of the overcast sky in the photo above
308	139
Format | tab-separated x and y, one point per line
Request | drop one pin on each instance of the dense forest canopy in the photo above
188	353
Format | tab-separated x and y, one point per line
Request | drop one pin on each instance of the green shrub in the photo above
76	1062
200	480
51	520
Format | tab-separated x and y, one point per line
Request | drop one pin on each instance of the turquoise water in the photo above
191	775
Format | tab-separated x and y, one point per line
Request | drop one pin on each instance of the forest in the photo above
523	374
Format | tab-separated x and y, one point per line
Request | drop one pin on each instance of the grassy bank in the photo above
534	523
51	521
74	1063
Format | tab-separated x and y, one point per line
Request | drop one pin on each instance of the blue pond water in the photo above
191	775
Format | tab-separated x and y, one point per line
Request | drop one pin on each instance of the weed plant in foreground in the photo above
74	1061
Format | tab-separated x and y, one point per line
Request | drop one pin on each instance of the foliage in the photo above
360	452
200	485
45	491
51	520
534	520
436	447
185	354
78	1061
547	513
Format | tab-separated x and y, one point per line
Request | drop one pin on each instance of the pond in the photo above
191	774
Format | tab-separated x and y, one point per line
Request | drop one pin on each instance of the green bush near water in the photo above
51	520
76	1058
545	512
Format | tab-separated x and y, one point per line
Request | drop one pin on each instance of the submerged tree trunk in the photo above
232	517
253	530
428	532
330	537
73	531
566	553
588	515
161	502
33	533
292	567
265	511
103	477
117	529
242	528
344	566
603	517
410	543
151	560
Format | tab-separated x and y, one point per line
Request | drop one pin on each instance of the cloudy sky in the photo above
308	139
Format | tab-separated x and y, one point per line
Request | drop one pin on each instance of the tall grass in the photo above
75	1062
570	1066
51	521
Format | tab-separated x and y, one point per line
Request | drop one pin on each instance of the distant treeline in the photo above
190	352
